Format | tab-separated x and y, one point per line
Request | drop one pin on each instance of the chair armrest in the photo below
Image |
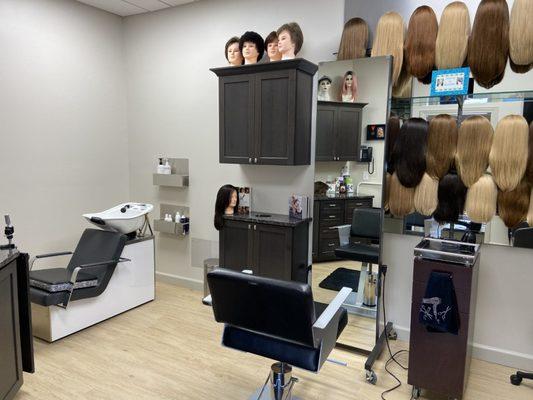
344	234
332	309
39	256
101	263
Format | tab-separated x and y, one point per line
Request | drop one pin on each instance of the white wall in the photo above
64	144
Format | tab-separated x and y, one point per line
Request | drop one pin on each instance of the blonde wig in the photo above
530	212
401	198
488	47
521	33
420	42
389	40
426	195
354	40
452	39
529	170
473	148
508	156
481	200
442	145
513	206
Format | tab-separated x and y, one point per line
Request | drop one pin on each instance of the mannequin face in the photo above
286	45
250	53
273	52
233	200
234	54
349	81
325	85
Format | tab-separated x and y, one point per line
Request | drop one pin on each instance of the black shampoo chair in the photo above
278	320
87	275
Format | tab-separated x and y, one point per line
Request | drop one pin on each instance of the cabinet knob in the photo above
255	227
250	160
333	205
255	160
249	226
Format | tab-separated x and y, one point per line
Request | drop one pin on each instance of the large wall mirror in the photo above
352	111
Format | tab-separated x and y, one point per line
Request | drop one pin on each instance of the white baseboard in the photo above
189	283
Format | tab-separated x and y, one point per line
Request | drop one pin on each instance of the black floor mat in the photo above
340	278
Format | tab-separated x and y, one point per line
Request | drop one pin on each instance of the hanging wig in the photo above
420	42
530	212
393	130
401	198
488	46
513	206
442	145
404	85
387	191
409	152
529	170
451	194
426	195
345	90
452	39
481	200
389	40
354	40
473	148
521	33
508	155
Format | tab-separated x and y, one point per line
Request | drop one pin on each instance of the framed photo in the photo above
375	132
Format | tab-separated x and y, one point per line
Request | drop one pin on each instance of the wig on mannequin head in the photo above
521	34
404	86
452	39
393	130
442	145
513	206
530	212
401	198
508	155
451	194
232	40
223	201
345	90
420	42
529	170
488	46
473	148
481	200
409	152
254	38
354	40
389	40
296	34
426	195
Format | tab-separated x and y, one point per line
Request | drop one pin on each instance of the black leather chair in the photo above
523	237
88	272
278	320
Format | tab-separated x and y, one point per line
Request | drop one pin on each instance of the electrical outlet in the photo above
366	176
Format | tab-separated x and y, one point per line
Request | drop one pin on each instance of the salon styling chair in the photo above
277	320
523	237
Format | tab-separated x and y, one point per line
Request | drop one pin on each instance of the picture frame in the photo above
375	132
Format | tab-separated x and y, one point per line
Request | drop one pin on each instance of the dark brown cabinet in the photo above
338	131
273	251
265	113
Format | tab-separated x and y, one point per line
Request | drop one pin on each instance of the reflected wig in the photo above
513	206
409	152
452	40
452	195
354	40
404	85
508	155
481	200
389	41
426	195
420	42
529	170
401	198
393	130
488	47
521	34
442	145
473	148
530	212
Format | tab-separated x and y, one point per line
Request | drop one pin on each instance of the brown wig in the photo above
488	46
393	130
420	42
520	69
481	200
401	198
389	40
521	34
296	34
442	144
473	148
354	40
409	152
529	170
508	155
530	212
404	85
452	195
452	40
426	195
513	206
272	36
232	40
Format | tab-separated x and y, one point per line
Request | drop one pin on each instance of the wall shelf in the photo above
179	176
170	227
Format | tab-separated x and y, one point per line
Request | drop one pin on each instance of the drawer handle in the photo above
333	205
332	216
332	228
358	204
331	244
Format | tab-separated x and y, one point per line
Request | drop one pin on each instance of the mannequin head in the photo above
232	52
324	86
349	87
252	47
290	40
271	46
227	201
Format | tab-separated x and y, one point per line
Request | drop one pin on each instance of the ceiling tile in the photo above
151	5
118	7
177	2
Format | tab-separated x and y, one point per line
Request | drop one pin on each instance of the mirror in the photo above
352	110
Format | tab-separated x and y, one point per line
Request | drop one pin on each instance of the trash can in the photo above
209	265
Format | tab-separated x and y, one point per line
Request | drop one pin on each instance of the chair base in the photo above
278	385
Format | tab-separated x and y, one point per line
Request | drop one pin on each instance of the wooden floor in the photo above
170	349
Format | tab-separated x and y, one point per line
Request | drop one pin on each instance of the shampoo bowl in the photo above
124	218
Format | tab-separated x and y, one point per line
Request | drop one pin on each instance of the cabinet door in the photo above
348	133
273	251
236	246
236	119
274	117
325	133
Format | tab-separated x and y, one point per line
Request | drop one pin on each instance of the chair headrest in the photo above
366	222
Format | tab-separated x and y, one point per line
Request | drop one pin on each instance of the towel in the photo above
438	311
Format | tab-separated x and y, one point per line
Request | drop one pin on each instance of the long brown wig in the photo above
420	42
354	40
452	40
409	152
393	130
389	40
513	206
442	145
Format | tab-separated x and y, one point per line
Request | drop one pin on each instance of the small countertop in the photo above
339	196
267	218
6	256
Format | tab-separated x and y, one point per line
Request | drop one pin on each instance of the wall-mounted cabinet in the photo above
265	113
338	131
